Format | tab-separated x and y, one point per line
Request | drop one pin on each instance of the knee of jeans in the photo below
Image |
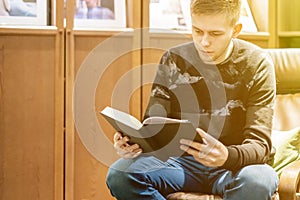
258	177
118	180
115	179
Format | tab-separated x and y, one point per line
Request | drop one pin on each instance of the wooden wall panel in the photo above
27	114
86	173
89	174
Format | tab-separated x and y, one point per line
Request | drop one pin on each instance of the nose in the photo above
204	40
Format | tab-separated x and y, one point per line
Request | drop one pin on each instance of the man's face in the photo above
212	35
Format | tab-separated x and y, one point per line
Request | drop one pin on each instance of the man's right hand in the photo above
124	149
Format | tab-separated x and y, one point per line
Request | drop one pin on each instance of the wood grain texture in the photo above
289	184
85	174
27	131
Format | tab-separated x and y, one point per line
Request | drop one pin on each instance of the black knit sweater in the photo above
232	101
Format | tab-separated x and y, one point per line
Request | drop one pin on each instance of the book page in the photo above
162	120
122	117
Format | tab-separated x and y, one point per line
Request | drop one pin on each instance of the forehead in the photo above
211	22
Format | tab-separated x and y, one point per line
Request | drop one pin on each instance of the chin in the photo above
207	59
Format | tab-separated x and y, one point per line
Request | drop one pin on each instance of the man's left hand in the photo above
211	153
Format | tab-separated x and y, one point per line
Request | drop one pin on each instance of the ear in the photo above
236	30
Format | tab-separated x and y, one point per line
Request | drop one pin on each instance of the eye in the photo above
197	31
215	33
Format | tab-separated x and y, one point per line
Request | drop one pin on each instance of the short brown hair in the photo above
231	8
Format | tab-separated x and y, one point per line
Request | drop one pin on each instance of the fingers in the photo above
128	154
189	150
117	136
196	145
209	142
211	153
191	144
199	150
124	149
121	142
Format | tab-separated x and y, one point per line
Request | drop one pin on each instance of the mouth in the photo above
206	52
203	51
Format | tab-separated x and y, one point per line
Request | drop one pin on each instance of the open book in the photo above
158	136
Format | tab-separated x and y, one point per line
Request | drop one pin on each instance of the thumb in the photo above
201	132
207	138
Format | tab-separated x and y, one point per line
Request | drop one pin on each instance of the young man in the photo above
226	87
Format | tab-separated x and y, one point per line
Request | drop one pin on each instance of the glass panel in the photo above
292	42
24	12
288	12
170	14
175	14
100	13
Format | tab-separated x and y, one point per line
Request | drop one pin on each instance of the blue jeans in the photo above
149	178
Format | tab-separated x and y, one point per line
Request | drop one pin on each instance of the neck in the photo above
226	54
229	50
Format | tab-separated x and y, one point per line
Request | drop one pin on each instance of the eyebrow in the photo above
215	31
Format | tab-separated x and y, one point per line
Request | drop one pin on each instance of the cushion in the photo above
287	145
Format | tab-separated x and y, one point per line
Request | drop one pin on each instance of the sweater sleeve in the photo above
256	146
160	96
